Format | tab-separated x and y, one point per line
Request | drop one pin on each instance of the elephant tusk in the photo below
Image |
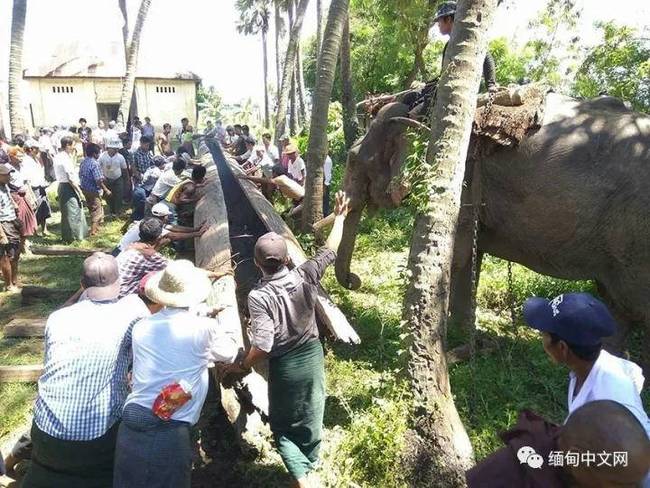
410	123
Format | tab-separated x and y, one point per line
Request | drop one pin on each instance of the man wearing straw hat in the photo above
283	329
172	351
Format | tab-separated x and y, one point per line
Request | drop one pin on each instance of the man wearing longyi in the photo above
283	329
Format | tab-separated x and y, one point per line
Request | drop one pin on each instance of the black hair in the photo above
93	150
145	140
198	173
167	124
159	161
245	129
237	126
18	140
586	353
185	118
179	165
150	230
278	170
271	268
267	135
250	140
66	141
82	120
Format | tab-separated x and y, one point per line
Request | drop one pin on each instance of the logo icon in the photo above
555	305
527	455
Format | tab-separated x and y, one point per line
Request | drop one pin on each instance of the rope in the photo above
511	297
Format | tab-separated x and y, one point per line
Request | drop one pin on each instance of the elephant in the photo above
571	200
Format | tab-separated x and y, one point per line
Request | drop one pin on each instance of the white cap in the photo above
160	210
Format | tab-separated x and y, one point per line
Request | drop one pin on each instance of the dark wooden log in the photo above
327	312
24	374
24	328
244	403
64	251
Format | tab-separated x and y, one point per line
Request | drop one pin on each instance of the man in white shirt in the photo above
73	220
327	179
169	232
115	171
172	351
271	149
296	165
111	133
573	326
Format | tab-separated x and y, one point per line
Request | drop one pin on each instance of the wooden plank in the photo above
31	295
24	374
65	251
24	328
327	312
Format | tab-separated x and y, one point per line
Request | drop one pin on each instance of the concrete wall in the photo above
56	101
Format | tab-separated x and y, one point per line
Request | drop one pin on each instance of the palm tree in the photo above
289	69
317	149
350	120
16	67
300	85
128	83
437	448
279	30
319	27
133	110
255	18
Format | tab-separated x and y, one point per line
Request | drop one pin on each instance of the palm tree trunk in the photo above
267	113
16	67
128	83
289	69
317	149
293	99
278	73
319	28
300	82
437	449
350	120
125	36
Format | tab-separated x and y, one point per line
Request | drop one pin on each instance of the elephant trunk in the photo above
344	256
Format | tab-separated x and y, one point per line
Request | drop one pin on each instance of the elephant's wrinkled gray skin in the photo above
571	201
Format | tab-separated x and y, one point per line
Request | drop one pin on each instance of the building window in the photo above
165	89
62	89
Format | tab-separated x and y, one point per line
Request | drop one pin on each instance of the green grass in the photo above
15	404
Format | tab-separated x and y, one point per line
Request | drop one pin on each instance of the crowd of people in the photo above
273	168
139	374
126	359
106	170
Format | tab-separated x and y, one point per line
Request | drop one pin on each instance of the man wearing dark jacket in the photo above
445	19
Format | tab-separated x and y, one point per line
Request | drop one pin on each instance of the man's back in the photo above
87	354
282	306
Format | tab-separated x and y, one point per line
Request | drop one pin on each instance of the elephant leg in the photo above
617	343
462	297
344	256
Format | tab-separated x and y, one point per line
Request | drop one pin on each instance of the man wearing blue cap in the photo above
573	326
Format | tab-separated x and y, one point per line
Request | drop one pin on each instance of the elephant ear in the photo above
514	114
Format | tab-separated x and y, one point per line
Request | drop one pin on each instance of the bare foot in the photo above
12	289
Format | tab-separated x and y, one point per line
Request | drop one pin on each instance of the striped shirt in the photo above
90	173
83	387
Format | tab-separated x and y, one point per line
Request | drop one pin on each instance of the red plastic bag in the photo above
171	398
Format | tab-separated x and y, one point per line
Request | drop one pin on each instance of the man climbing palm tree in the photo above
445	19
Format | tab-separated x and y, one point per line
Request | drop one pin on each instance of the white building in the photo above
63	92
